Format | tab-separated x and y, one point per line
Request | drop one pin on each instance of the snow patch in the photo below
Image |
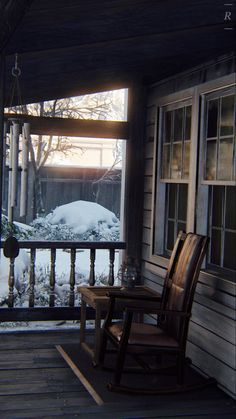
82	216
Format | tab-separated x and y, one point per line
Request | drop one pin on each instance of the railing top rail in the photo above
46	244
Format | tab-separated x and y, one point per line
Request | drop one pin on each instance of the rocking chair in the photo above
169	336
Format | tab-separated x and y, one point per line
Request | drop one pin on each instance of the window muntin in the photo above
220	138
176	142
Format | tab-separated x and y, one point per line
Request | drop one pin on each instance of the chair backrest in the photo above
181	280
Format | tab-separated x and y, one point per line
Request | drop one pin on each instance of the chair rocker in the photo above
166	339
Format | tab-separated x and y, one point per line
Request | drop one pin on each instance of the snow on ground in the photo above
22	264
87	219
62	287
82	268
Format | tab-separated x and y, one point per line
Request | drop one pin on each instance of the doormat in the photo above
95	380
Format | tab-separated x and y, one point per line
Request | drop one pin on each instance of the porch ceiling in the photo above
71	47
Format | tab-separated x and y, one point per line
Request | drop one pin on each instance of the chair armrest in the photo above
135	309
130	295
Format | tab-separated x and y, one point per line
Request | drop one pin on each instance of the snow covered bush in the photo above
80	221
19	230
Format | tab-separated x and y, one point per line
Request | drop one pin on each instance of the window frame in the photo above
183	98
197	215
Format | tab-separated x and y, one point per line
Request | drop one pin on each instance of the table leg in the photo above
97	333
82	320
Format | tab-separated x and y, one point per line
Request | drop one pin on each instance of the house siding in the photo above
212	340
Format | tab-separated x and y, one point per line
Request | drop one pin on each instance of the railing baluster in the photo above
111	267
52	279
11	282
92	267
72	277
52	247
32	277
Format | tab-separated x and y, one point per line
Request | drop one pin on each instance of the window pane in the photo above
178	124
211	160
167	135
217	202
166	162
229	253
230	213
176	213
212	118
216	247
227	115
182	202
186	159
176	162
171	200
170	235
225	160
188	123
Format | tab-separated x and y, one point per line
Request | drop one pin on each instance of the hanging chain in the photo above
16	72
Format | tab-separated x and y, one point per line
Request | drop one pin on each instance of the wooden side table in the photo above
96	298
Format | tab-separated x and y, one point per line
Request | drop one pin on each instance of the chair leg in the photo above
180	369
102	350
119	364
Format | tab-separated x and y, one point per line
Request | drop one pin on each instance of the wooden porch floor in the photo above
35	382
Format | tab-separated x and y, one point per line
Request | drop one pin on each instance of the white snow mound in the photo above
82	216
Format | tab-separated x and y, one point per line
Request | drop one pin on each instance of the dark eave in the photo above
71	47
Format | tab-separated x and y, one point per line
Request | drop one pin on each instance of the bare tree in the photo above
110	174
101	106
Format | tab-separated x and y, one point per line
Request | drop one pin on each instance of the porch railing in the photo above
52	312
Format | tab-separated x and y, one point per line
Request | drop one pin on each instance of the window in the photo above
174	165
196	174
218	178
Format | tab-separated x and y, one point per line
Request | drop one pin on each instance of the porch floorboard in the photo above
35	382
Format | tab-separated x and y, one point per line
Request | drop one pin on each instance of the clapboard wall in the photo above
212	341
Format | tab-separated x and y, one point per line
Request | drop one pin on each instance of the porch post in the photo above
135	172
2	76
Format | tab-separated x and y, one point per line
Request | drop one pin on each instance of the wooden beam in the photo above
2	73
134	188
74	127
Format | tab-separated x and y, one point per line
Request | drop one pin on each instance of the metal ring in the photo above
16	72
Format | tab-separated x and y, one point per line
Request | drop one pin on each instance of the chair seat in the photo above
144	334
